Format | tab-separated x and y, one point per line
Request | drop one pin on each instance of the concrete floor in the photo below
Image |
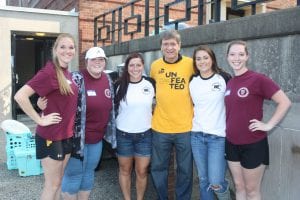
15	187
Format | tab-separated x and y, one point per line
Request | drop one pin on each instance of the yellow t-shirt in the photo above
174	109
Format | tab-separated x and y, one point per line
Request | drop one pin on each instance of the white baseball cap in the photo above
95	52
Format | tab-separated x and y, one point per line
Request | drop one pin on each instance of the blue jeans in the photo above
208	152
79	175
162	145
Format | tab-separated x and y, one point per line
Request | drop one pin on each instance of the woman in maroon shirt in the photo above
246	148
55	124
78	179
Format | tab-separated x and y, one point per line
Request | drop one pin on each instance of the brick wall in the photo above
280	4
89	9
92	8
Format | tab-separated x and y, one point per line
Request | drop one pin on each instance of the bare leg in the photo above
53	172
65	161
237	174
67	196
125	167
141	170
253	178
84	195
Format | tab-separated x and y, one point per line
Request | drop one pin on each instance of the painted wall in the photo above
31	20
274	46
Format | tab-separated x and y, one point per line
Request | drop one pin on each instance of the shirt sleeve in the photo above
226	76
268	87
43	82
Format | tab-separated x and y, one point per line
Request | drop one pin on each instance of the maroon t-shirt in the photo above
98	106
45	84
244	99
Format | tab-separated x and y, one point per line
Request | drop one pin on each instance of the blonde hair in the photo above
64	86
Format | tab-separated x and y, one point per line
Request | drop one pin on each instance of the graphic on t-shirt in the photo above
146	90
216	86
107	93
243	92
161	71
174	80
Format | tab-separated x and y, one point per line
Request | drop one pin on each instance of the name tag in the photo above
227	93
91	93
69	82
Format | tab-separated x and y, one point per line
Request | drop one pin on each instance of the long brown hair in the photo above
124	80
64	86
215	68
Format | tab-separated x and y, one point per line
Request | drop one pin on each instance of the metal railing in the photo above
142	18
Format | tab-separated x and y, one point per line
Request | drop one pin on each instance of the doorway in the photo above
29	52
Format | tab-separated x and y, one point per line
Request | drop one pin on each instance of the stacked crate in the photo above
20	149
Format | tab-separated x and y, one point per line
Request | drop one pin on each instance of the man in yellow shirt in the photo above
172	118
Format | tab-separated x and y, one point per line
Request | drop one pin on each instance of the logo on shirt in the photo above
107	93
216	86
175	81
146	90
161	71
243	92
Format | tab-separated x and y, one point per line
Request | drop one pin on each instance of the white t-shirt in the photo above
209	108
135	113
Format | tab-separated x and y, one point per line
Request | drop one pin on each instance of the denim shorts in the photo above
134	144
80	174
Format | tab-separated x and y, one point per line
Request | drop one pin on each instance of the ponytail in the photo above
64	86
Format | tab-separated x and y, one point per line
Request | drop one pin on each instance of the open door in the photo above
29	54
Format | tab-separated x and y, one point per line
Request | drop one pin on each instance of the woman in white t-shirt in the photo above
134	102
207	89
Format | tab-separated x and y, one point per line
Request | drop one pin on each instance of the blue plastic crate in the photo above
27	163
30	142
11	161
16	133
19	140
13	141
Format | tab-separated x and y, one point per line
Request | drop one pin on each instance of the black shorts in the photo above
53	149
249	155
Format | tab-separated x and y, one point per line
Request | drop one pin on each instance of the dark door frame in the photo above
14	75
15	36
